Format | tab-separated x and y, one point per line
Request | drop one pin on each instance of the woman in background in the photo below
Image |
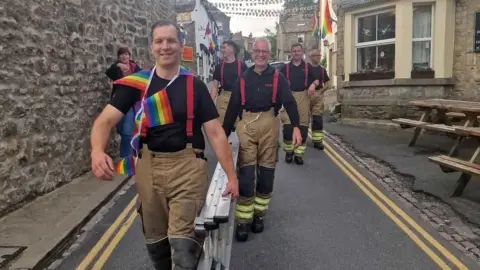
124	66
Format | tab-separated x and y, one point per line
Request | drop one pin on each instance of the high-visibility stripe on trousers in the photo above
316	109
258	136
303	105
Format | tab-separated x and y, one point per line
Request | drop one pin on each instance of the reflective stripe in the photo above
287	146
300	150
244	211
317	136
261	201
247	216
244	208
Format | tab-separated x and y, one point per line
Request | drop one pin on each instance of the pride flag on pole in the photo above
327	21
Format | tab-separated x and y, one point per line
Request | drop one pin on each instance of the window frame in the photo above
375	43
432	33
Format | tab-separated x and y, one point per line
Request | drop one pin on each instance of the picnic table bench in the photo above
467	168
446	109
216	220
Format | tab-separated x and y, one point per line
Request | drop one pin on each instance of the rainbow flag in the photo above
126	166
327	21
315	27
157	109
153	104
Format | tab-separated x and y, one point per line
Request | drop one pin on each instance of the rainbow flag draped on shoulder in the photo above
149	112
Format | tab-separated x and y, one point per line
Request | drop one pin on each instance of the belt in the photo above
258	110
197	155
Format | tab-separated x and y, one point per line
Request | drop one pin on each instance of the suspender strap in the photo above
275	87
306	75
190	116
288	72
287	69
222	66
242	90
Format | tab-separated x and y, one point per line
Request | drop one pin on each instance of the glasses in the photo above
261	52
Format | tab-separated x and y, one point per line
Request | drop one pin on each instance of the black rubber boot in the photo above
186	253
298	160
257	224
288	157
160	254
318	145
241	232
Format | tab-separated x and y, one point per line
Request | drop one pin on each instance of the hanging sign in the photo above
187	54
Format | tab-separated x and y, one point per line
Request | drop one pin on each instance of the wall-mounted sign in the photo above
187	54
184	17
476	37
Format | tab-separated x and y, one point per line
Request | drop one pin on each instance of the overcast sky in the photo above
253	25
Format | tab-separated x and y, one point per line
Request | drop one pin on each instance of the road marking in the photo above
121	233
397	209
106	236
392	216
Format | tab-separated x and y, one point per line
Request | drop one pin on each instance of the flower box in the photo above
422	74
369	76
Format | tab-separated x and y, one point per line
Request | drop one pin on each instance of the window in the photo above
300	38
422	38
375	42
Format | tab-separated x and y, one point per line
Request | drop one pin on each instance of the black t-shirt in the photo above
258	97
230	74
296	76
172	137
317	73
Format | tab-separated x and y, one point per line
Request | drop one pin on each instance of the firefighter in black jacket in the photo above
257	97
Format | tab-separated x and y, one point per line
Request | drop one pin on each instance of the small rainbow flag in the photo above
126	166
137	80
157	109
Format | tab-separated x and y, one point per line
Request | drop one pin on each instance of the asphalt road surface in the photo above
320	218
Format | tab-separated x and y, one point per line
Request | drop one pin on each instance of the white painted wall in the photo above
199	15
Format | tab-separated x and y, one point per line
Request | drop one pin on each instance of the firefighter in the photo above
320	84
225	75
256	99
297	74
171	108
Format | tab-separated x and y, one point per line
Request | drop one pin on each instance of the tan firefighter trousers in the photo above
172	189
303	105
258	136
222	103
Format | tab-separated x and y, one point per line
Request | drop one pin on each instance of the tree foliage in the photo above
271	35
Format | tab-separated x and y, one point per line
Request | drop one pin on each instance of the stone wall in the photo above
466	63
53	56
190	41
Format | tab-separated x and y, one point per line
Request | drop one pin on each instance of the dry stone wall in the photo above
53	55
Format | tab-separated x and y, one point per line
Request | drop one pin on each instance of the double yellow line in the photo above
397	215
112	236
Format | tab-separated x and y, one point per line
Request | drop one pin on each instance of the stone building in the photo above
295	27
393	51
54	55
196	17
245	45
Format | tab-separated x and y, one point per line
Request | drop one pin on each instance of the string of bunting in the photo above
242	8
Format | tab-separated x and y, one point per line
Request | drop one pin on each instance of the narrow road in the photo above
319	219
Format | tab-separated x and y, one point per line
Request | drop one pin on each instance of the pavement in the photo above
390	148
324	215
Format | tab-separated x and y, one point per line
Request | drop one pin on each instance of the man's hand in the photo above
311	90
102	165
232	187
296	137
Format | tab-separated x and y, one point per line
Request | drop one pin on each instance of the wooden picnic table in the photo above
441	121
468	168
